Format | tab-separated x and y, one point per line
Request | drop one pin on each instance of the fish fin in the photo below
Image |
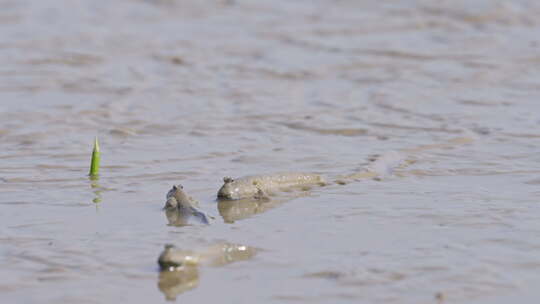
171	203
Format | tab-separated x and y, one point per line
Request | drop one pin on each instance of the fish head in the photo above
229	190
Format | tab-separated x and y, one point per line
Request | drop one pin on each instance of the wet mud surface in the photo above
190	92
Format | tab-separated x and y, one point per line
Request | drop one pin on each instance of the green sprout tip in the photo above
94	165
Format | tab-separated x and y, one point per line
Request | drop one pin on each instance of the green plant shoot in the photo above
94	165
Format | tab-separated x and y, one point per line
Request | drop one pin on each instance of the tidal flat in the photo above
189	92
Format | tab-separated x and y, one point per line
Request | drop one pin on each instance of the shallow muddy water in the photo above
191	91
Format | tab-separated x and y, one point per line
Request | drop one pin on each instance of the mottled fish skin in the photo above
257	186
185	207
217	255
171	258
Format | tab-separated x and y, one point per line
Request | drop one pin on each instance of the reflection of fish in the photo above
178	281
182	217
233	210
180	268
181	209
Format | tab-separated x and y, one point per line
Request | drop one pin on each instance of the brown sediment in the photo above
319	64
446	145
337	131
417	128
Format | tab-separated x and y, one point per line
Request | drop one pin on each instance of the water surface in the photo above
189	92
